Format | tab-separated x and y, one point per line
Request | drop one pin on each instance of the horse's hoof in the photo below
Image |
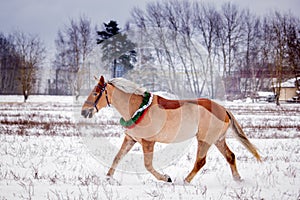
169	180
238	179
112	181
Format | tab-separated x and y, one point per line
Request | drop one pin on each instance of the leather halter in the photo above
102	89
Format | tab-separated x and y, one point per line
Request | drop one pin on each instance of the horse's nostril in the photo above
84	113
87	113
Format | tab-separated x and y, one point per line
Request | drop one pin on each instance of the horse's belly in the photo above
185	131
168	126
181	124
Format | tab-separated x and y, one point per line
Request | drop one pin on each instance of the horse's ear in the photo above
95	77
102	81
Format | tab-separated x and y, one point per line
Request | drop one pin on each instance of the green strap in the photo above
144	105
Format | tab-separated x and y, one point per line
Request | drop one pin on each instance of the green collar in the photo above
139	114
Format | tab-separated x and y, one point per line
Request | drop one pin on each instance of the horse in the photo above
150	118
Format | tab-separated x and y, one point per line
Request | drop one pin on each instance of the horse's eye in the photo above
95	94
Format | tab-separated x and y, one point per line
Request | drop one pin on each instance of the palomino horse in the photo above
150	118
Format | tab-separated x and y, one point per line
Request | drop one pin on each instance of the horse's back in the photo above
213	107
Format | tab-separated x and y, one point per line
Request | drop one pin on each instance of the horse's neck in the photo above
126	104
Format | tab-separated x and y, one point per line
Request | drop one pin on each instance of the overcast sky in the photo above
46	17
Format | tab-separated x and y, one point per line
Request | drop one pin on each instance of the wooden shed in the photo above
288	90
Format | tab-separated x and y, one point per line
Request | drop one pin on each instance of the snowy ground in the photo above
43	155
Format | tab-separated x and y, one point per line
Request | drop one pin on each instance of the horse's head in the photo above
96	100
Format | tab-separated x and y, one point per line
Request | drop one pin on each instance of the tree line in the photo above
248	52
197	43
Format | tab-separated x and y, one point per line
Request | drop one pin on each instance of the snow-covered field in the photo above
43	155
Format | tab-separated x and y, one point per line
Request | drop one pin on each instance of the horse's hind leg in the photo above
200	160
148	148
230	157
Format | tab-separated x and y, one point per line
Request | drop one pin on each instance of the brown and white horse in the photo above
152	118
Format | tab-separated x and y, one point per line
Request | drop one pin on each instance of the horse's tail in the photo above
241	136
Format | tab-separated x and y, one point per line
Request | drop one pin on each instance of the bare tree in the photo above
9	61
265	50
206	21
31	52
73	44
153	32
250	67
280	47
170	27
279	28
293	45
230	35
178	19
87	41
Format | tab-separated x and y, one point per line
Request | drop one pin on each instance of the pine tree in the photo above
116	47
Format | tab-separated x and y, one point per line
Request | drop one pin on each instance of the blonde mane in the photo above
127	86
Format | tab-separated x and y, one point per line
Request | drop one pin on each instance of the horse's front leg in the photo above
148	148
125	148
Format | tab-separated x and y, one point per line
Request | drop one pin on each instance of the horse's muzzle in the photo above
87	113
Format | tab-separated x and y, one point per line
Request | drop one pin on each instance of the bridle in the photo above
102	89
